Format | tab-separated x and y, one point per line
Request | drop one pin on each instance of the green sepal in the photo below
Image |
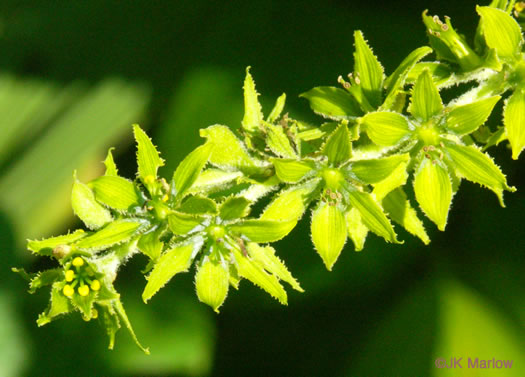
357	231
182	223
59	304
116	192
278	142
189	169
84	304
46	246
514	120
87	209
290	204
328	230
338	147
478	167
386	128
172	262
114	233
433	189
332	103
277	109
262	231
214	180
372	214
43	278
234	207
375	170
111	167
212	281
396	80
266	257
292	171
369	70
425	101
253	272
465	119
148	158
198	205
226	149
500	31
399	209
150	244
252	109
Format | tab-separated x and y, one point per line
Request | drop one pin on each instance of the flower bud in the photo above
61	251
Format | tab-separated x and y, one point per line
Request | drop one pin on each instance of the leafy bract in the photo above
190	168
93	214
500	30
116	192
514	118
426	101
332	102
328	230
148	158
114	233
252	109
465	119
385	128
369	70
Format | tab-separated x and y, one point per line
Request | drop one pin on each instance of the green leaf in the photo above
256	274
271	263
45	278
111	167
514	119
148	158
46	246
87	208
263	230
426	101
372	215
289	204
150	244
190	168
332	103
212	283
338	147
59	304
234	207
252	109
466	119
292	171
375	170
227	150
277	109
399	209
328	231
386	128
433	189
397	79
124	318
278	142
116	192
501	31
478	167
183	223
112	234
172	262
198	205
368	69
357	231
398	178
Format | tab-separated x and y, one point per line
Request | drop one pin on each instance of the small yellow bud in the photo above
68	290
70	275
83	290
95	285
77	262
94	313
165	198
149	179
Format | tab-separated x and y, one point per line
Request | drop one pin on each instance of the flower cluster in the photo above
352	170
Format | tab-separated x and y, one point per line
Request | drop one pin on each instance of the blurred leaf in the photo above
13	340
76	137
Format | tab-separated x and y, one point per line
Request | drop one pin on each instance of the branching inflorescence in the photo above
382	133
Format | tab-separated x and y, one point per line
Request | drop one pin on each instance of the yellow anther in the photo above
77	262
83	290
68	290
70	275
95	285
149	179
165	198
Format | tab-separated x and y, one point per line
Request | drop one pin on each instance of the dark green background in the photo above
386	311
